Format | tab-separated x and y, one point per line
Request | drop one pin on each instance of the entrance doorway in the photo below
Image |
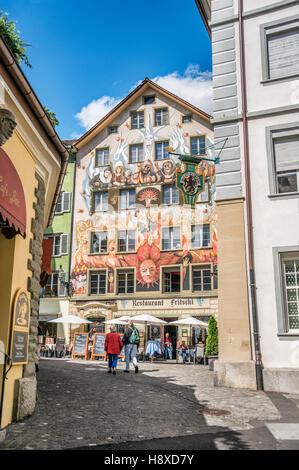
97	323
173	332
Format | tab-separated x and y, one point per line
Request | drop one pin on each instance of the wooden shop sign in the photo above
20	328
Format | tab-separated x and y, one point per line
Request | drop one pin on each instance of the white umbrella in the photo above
190	321
144	318
124	317
70	319
116	321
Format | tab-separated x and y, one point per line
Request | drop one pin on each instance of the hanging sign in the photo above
190	180
20	329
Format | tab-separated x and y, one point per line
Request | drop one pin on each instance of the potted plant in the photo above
212	343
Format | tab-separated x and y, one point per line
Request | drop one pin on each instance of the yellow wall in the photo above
233	309
14	255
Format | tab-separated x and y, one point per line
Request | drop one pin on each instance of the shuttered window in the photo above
283	53
63	203
60	245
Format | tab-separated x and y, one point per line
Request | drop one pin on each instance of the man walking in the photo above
131	341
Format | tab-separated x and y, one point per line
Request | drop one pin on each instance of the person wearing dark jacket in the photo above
131	341
113	346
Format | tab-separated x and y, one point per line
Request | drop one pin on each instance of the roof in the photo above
139	90
204	7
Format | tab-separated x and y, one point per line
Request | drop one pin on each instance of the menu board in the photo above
80	344
20	328
98	348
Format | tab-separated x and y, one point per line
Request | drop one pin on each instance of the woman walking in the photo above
113	346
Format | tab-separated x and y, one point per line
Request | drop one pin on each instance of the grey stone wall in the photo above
26	387
225	100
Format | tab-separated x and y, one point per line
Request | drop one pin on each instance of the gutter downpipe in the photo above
256	335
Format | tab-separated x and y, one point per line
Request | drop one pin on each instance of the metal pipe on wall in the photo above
256	334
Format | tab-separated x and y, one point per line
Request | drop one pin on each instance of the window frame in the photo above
130	149
62	195
59	235
166	141
59	284
269	29
161	240
93	201
170	268
171	203
197	247
127	242
112	127
95	232
127	190
286	130
131	119
187	116
198	137
198	267
149	96
159	109
94	271
95	161
279	255
125	271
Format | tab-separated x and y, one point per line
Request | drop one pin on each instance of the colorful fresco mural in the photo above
148	217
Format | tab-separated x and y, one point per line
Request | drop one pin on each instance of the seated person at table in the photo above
184	351
167	347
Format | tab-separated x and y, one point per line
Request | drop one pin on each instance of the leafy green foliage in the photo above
12	38
212	339
51	116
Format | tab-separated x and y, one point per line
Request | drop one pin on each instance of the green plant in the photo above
12	38
212	339
51	116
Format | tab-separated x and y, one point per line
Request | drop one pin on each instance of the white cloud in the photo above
95	110
193	86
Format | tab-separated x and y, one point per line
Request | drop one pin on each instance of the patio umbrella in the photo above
116	321
190	321
144	318
70	319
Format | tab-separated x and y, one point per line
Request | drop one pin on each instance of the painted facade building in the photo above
255	80
32	165
136	247
55	294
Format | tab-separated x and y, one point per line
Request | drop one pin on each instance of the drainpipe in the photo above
256	335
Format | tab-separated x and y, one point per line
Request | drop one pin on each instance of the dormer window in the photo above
112	130
149	99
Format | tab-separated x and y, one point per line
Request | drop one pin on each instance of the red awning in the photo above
12	198
47	253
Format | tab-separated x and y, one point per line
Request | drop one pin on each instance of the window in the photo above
136	153
112	130
127	199
137	120
187	118
160	150
55	286
171	238
170	195
286	154
171	280
63	203
102	157
98	242
125	282
291	286
149	99
60	244
200	236
97	284
283	158
161	117
201	278
198	145
101	201
126	241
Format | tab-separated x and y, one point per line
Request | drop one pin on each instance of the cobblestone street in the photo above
81	406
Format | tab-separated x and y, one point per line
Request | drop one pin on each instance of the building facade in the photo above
56	291
255	79
136	247
32	166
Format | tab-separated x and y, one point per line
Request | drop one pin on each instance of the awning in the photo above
47	253
12	198
52	317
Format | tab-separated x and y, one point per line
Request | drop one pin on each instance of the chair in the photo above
200	353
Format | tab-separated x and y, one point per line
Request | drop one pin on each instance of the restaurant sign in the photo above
20	329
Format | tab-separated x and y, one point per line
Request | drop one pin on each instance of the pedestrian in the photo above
167	347
91	336
131	341
113	346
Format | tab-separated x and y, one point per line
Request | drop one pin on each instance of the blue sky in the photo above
87	55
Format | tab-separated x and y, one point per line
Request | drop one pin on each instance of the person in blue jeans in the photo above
184	351
131	341
167	347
